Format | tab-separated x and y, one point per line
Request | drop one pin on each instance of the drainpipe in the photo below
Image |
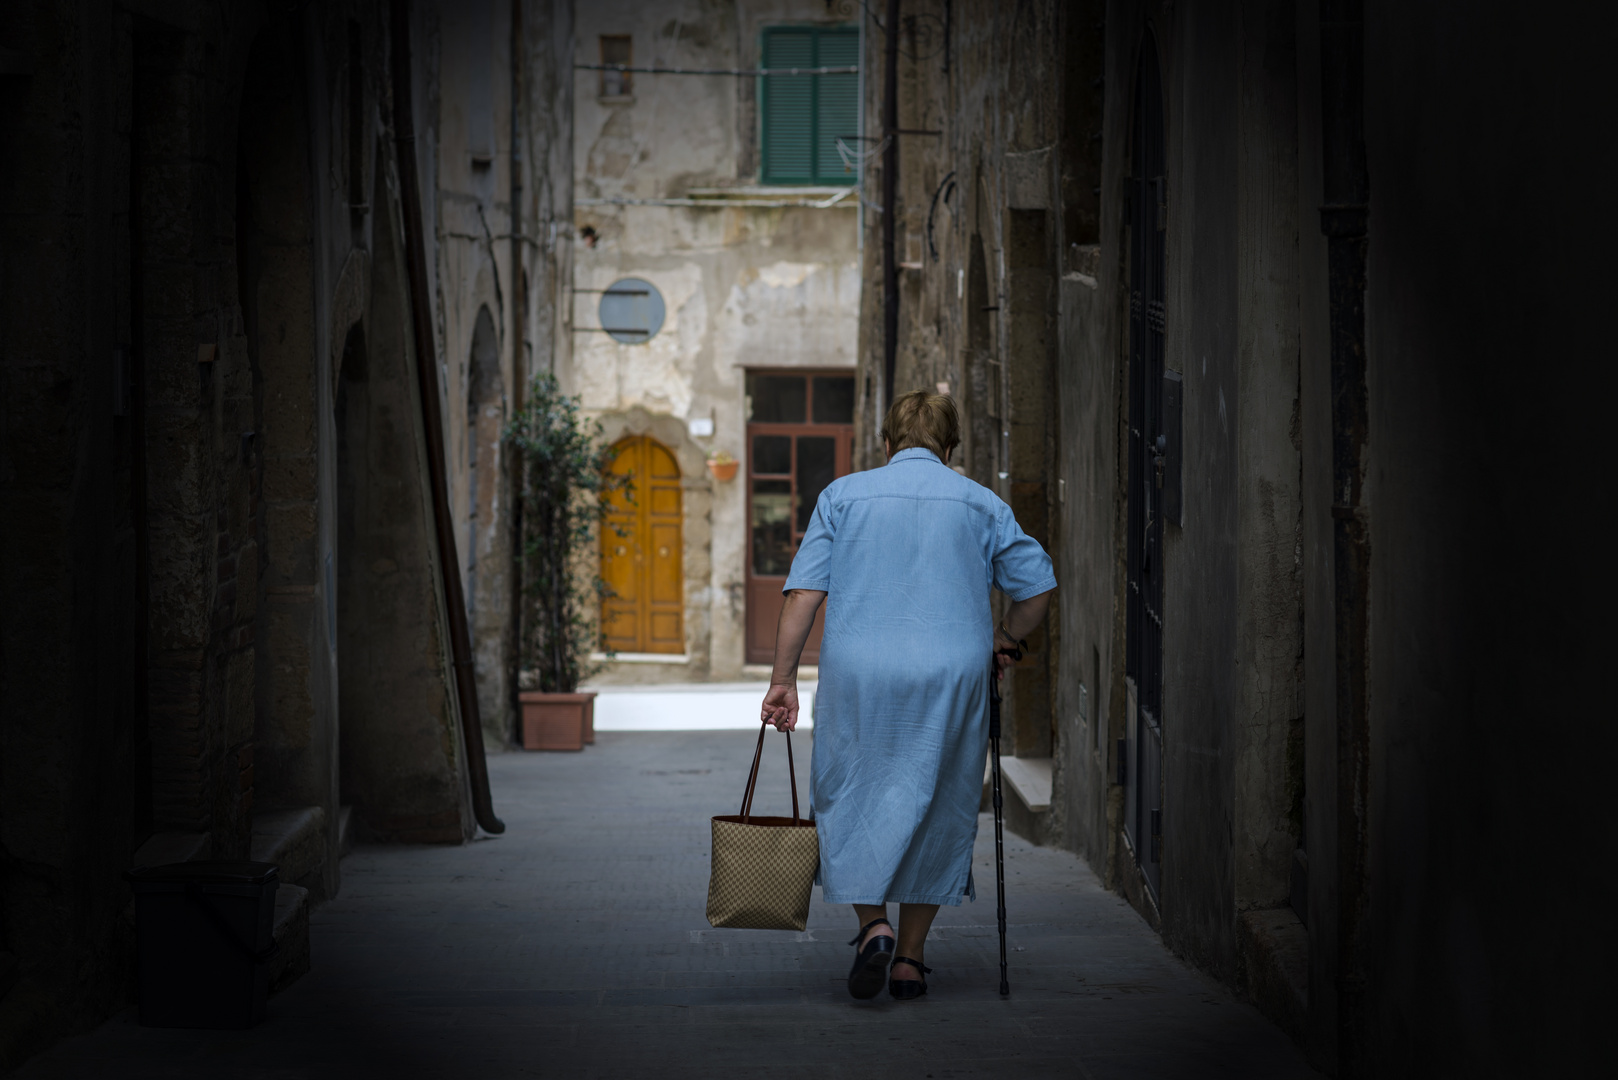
404	135
890	198
1343	219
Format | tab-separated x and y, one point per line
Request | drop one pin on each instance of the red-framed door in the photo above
800	437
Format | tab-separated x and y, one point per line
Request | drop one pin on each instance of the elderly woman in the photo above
907	554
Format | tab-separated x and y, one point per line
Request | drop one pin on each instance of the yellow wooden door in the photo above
641	553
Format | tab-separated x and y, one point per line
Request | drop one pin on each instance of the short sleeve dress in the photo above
907	555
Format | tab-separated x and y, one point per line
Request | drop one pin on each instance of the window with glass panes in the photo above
803	116
617	49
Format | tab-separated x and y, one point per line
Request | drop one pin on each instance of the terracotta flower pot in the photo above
723	471
557	721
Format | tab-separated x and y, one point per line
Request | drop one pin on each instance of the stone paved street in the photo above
575	946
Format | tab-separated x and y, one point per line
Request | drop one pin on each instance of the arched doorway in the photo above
1143	620
642	553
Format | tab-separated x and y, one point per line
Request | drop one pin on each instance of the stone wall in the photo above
981	240
224	622
1340	835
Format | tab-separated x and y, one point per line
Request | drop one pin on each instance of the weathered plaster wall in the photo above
742	287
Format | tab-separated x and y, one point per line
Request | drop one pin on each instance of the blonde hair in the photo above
920	419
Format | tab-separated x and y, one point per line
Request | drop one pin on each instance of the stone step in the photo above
1025	786
1272	957
291	936
295	840
283	838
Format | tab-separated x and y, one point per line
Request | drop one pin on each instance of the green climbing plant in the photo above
564	485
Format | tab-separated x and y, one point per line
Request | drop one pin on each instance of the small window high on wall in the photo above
803	116
615	49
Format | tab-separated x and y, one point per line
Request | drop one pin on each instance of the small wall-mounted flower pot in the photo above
724	471
557	721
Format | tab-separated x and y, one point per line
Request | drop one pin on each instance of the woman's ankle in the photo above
873	922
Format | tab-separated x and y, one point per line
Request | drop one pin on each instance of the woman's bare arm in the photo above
791	634
1022	617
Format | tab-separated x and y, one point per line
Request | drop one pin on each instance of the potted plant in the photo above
722	465
563	485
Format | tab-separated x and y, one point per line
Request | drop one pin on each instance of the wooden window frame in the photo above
763	604
627	83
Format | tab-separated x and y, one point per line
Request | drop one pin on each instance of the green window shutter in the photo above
837	105
802	116
789	108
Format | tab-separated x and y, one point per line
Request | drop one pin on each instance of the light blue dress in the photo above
907	555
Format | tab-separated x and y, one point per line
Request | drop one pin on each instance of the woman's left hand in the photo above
781	707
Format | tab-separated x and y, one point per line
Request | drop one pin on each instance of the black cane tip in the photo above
1005	989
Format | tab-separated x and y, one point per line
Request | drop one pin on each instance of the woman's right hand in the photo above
1004	647
781	707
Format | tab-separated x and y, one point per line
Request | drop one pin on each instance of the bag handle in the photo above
752	777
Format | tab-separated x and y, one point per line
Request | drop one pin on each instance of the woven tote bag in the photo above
762	867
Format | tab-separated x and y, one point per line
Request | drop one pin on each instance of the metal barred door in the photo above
1148	213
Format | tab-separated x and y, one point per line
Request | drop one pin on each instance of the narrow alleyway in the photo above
575	946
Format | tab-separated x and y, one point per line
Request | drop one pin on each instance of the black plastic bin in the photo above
204	934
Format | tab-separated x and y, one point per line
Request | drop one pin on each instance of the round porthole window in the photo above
632	311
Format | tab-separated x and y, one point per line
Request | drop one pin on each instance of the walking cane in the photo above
999	816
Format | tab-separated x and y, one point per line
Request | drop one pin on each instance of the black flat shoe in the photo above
871	962
905	989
